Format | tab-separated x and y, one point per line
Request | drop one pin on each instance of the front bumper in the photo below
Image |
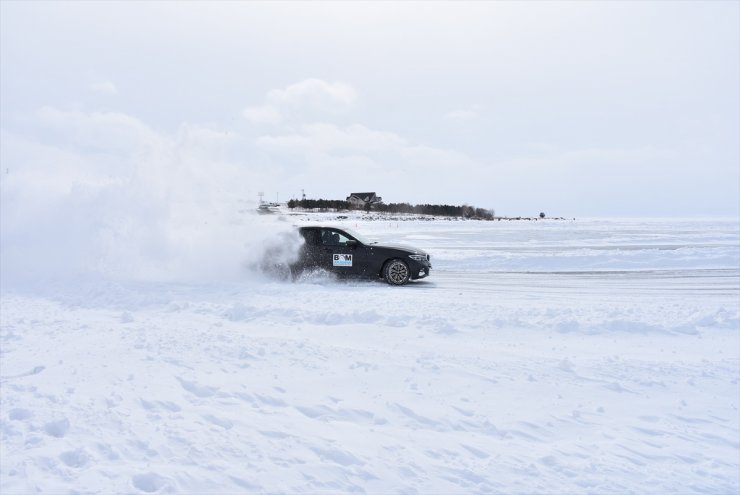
419	269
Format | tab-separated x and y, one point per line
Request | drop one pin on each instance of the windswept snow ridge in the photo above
540	357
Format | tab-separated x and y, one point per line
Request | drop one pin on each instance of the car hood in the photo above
400	247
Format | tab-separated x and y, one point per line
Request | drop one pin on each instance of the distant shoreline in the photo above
407	217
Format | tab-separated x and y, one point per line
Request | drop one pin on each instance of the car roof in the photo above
322	226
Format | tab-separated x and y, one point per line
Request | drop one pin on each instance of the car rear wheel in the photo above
396	272
277	270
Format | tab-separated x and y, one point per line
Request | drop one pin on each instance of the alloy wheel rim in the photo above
398	272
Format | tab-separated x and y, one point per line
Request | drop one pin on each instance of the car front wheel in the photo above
396	272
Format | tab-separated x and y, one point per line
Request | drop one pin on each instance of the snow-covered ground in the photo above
589	356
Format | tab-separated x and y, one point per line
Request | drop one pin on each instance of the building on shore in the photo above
363	199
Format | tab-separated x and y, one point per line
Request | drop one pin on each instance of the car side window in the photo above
330	237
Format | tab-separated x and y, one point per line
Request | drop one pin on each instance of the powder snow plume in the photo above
104	194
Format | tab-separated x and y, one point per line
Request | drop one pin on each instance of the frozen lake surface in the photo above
597	356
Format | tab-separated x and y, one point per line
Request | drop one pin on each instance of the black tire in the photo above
396	272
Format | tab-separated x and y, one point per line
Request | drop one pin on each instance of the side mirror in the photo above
352	243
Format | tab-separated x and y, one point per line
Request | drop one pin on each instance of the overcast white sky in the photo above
572	108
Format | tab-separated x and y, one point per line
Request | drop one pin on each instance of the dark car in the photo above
346	253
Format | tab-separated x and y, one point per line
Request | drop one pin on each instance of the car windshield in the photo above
361	238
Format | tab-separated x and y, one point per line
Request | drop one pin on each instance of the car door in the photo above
339	255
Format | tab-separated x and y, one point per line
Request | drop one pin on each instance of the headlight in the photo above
419	257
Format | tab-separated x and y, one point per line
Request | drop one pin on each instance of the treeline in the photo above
463	211
319	204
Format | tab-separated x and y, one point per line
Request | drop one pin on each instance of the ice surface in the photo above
597	356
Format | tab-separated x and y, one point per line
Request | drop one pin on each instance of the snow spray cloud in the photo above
105	194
